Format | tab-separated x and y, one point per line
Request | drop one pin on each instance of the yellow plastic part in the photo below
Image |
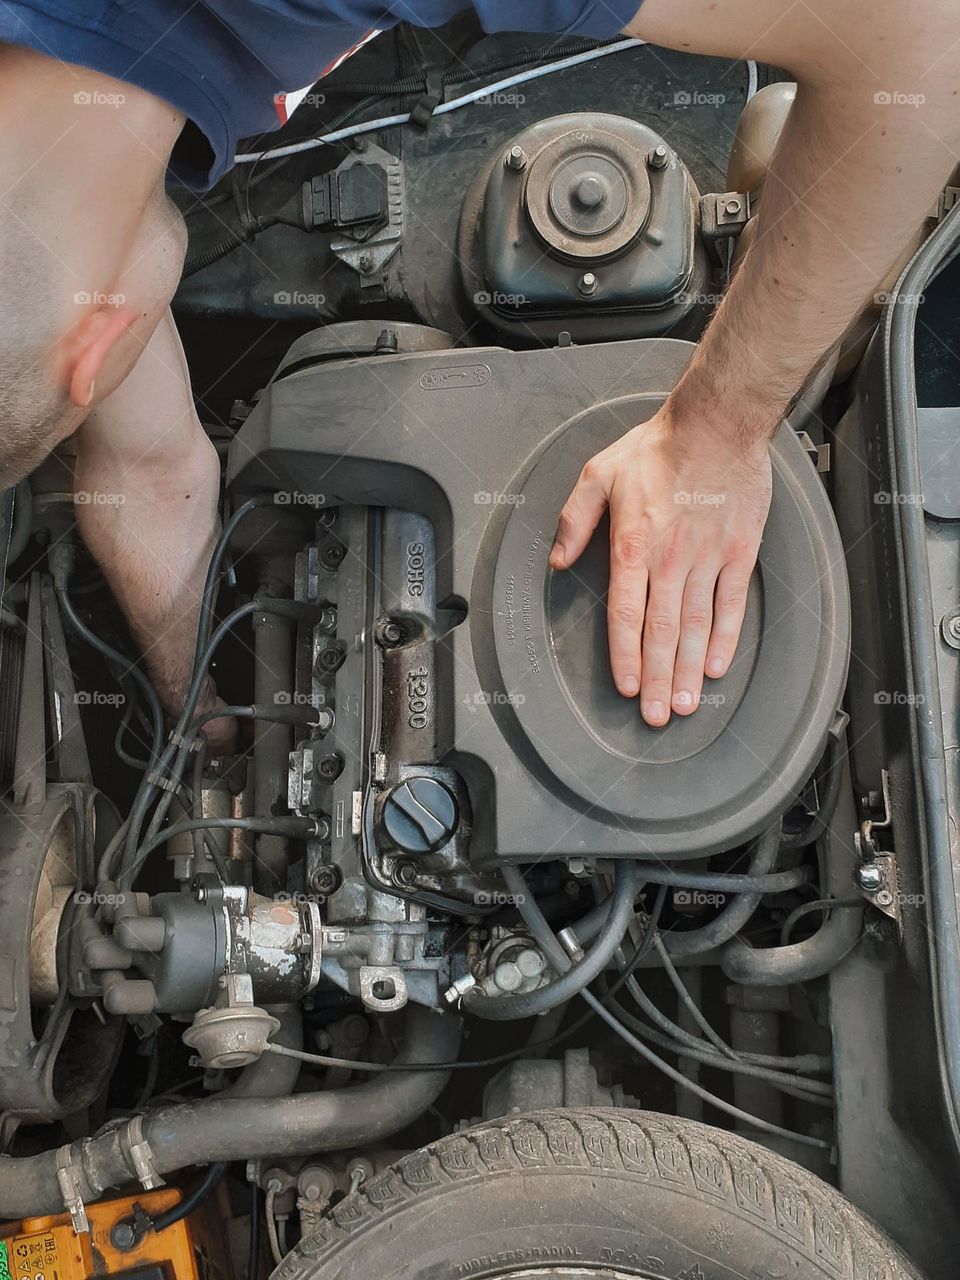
47	1249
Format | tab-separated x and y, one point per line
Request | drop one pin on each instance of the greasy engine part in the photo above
585	223
515	699
55	1053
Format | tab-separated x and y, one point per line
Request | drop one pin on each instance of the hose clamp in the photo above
69	1181
141	1156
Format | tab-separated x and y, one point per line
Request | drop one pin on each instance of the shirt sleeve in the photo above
600	19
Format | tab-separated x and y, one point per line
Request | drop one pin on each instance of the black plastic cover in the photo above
488	443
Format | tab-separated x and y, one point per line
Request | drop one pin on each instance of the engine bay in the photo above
370	926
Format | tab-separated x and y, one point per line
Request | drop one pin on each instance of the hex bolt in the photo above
330	766
325	879
953	626
328	619
123	1236
659	157
321	829
516	159
331	557
587	284
331	658
733	206
507	976
365	264
388	634
869	877
405	874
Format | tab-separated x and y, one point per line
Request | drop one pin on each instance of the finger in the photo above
579	517
626	603
696	619
661	631
729	605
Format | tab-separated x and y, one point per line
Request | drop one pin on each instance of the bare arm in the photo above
873	134
146	484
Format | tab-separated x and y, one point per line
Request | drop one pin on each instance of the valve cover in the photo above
487	444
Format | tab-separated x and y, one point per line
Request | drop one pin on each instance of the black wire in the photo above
202	1191
253	1257
115	656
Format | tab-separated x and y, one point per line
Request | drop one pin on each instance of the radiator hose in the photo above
242	1128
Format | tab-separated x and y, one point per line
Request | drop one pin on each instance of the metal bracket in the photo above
69	1182
877	877
372	976
141	1156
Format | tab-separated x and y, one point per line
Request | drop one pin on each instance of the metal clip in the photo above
69	1182
141	1156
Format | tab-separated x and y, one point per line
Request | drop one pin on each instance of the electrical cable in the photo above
115	656
253	1254
535	921
385	122
201	1192
813	1091
272	1237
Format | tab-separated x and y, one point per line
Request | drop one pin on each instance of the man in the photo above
98	99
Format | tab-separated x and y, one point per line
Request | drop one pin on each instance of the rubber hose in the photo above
734	916
803	961
817	955
247	1128
576	976
727	882
272	1076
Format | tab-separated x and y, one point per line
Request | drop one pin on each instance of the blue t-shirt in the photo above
231	65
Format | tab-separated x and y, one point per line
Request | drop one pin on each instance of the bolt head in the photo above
590	192
587	284
659	157
733	206
869	877
516	159
953	626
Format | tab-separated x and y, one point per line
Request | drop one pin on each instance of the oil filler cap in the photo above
419	815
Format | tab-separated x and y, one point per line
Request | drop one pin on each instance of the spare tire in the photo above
596	1194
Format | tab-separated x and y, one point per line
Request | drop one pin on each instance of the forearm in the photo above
852	180
146	483
820	252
